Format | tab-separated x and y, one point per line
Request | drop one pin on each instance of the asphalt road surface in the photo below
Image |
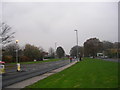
113	60
29	70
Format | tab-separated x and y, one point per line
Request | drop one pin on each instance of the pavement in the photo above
32	80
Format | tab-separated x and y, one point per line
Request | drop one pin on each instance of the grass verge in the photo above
90	73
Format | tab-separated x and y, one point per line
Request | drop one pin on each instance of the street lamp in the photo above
16	51
18	64
77	42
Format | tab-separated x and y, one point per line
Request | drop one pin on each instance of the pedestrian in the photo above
70	59
80	58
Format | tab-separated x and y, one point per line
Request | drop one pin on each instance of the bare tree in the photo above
73	51
51	52
9	50
6	35
92	46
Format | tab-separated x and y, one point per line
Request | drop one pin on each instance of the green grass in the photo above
50	60
90	73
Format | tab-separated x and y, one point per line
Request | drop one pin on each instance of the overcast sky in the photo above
44	23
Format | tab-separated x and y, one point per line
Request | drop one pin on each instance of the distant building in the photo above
101	55
45	54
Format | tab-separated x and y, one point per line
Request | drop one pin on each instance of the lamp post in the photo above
18	64
77	42
16	51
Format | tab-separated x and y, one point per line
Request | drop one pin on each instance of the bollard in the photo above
18	67
2	69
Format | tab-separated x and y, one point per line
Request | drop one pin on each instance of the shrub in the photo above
8	59
24	59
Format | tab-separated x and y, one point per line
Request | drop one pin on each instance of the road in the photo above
113	60
30	70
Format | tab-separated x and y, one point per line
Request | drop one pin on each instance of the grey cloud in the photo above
43	24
